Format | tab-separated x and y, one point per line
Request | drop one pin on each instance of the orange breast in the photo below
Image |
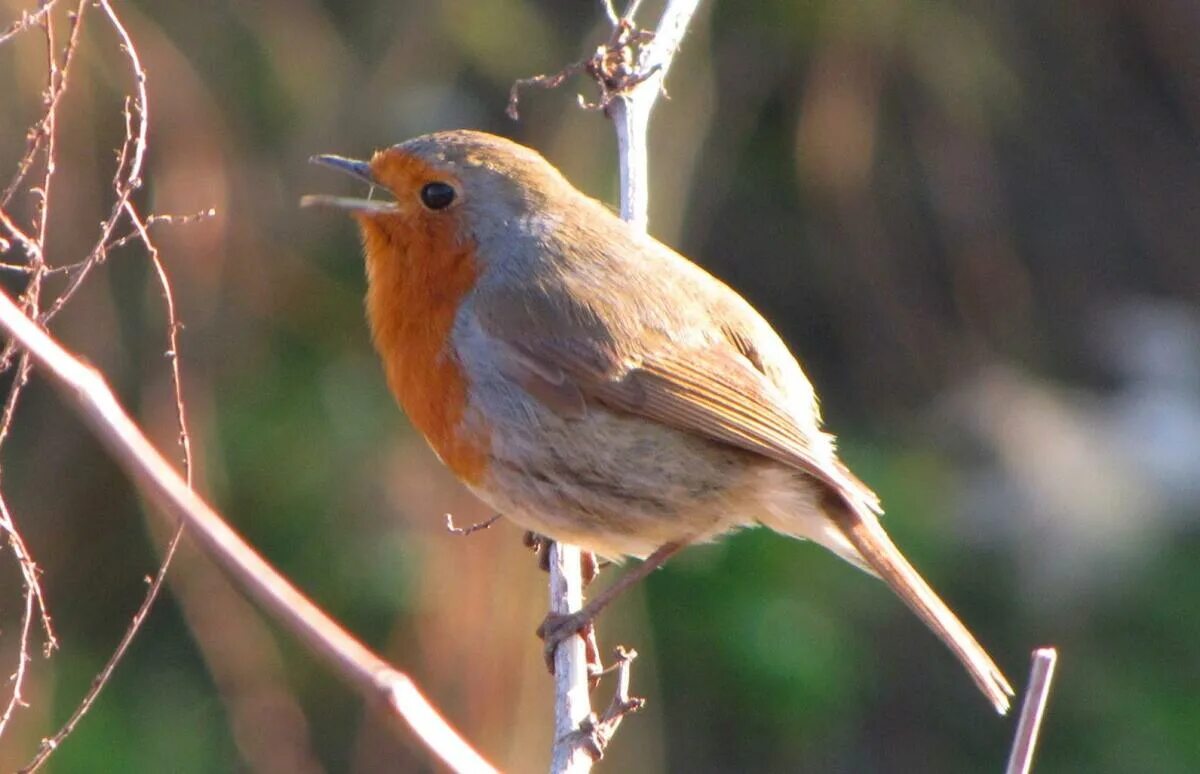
419	272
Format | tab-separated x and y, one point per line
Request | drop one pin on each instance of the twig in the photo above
610	11
453	530
153	220
1037	692
31	573
48	746
126	179
88	393
26	21
42	137
596	733
34	602
612	67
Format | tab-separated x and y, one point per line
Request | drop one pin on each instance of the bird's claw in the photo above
558	627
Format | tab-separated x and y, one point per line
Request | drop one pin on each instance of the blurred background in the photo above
977	224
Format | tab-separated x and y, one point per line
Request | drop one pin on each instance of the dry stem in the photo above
1037	693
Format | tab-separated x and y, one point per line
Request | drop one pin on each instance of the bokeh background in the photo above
976	222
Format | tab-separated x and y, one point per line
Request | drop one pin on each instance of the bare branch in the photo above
631	109
88	393
153	220
596	733
453	530
572	707
1037	693
35	603
27	20
41	138
610	11
101	680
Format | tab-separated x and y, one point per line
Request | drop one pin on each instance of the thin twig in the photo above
596	733
610	11
126	178
88	393
31	573
26	21
1037	693
613	68
42	137
102	678
130	158
34	603
56	86
464	531
153	220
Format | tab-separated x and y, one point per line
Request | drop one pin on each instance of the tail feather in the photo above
877	550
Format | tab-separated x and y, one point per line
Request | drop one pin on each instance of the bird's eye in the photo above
437	195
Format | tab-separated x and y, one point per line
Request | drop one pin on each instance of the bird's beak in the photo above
359	169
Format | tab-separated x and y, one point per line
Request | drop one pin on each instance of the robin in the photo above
594	385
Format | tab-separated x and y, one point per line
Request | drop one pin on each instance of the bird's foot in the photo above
559	627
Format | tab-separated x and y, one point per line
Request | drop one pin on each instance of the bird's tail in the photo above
863	531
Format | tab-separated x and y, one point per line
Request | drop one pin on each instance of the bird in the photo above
592	384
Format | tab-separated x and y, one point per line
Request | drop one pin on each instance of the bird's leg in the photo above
591	648
591	567
558	627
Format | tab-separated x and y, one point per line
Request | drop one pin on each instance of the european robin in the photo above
592	384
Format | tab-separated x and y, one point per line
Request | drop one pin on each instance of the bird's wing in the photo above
714	391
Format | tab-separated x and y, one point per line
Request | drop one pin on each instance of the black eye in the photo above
437	196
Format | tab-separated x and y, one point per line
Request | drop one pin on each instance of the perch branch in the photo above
629	88
572	706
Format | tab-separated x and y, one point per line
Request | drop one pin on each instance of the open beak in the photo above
359	169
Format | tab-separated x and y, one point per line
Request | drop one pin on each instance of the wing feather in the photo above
712	391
